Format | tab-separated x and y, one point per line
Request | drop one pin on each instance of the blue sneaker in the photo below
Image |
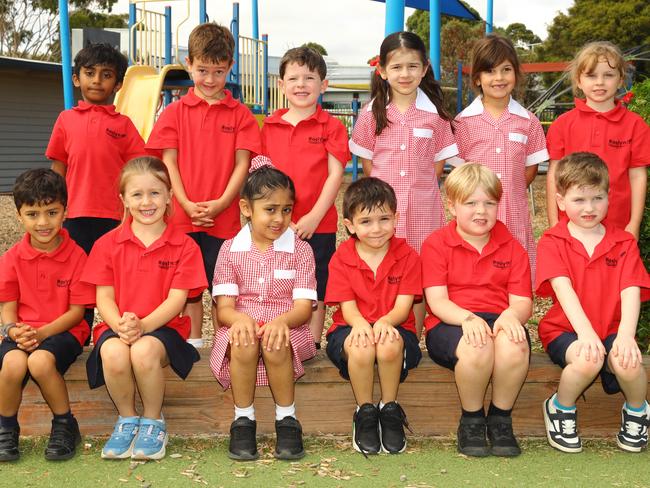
120	445
151	440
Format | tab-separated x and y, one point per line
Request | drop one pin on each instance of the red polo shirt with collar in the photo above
94	142
350	278
479	282
597	280
621	138
206	138
301	151
142	276
45	284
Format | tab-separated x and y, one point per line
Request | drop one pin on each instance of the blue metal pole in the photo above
355	113
394	16
459	88
66	55
256	20
489	16
265	77
234	28
132	21
434	36
203	16
168	47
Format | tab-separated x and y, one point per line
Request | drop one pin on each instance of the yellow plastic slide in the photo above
140	95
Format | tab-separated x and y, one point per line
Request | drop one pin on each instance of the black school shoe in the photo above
9	443
288	444
472	439
392	421
365	430
64	438
502	438
243	445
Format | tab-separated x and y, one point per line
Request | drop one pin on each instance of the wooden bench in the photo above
324	402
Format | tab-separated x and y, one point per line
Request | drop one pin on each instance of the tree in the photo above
29	28
418	22
316	47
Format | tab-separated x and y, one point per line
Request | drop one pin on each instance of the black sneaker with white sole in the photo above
392	421
288	433
9	443
561	428
633	436
365	430
243	444
472	440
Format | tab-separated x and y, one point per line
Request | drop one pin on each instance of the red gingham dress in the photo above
265	284
403	155
507	146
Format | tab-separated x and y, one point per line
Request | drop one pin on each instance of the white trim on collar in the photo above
242	242
476	108
422	102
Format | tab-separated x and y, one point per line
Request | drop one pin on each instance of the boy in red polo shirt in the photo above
207	138
374	278
597	280
91	143
311	147
601	124
476	279
42	312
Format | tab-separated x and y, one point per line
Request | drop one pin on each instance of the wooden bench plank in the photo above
324	402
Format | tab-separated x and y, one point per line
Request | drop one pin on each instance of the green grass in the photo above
331	462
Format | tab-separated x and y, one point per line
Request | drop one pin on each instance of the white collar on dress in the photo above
422	102
242	242
476	108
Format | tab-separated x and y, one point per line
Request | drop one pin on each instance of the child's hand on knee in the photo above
362	335
626	351
25	337
384	330
274	335
475	330
591	346
510	325
243	332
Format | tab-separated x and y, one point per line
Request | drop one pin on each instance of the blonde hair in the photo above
142	166
590	55
581	169
465	179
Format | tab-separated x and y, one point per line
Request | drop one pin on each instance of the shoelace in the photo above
61	437
6	438
399	419
568	427
371	421
633	428
503	431
476	430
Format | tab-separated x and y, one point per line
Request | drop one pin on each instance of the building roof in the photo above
33	64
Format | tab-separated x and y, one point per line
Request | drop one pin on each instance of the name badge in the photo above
284	274
418	132
517	137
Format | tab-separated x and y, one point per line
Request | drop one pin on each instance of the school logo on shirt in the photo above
317	140
394	280
167	264
228	129
115	134
501	264
613	262
63	283
619	142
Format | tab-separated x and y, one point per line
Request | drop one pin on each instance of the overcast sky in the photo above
350	30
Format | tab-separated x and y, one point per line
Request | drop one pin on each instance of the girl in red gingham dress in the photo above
403	137
264	286
496	131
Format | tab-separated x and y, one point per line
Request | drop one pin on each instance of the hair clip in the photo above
627	98
375	62
259	161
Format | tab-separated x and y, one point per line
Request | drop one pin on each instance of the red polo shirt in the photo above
206	137
597	280
301	152
142	276
620	137
350	278
45	284
476	282
94	142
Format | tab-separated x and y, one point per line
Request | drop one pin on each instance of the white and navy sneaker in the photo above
561	427
633	436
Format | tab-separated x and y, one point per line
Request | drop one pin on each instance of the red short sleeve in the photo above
81	293
248	133
549	265
640	145
190	273
225	280
99	266
555	139
164	134
434	261
135	146
634	272
363	138
9	288
536	143
445	143
462	135
305	268
411	283
56	147
337	140
519	282
339	287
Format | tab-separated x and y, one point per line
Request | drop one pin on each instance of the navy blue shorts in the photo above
210	246
86	230
336	340
557	352
442	341
64	346
324	246
181	355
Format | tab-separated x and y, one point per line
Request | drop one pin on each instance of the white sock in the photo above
381	404
197	343
245	412
282	412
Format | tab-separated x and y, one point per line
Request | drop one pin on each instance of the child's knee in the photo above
14	366
389	352
358	354
245	354
147	353
510	353
116	358
276	357
476	357
629	374
41	364
586	369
